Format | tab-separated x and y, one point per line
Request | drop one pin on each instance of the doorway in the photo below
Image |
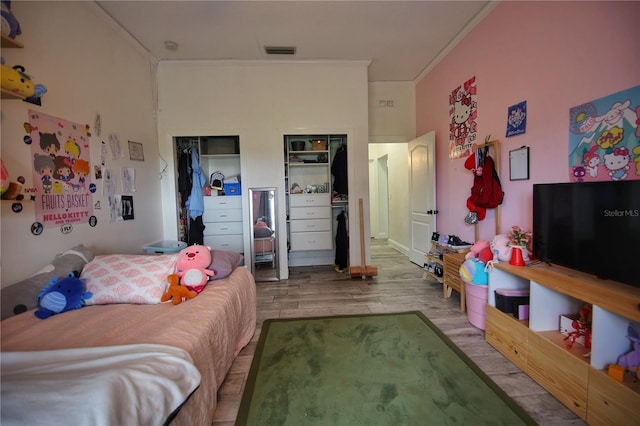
379	197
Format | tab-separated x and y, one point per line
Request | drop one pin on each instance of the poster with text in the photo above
463	115
604	138
61	170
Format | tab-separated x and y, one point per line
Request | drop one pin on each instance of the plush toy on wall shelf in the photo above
18	83
10	25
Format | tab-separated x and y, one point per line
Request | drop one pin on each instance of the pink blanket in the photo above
213	327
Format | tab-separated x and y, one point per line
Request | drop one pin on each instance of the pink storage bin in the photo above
476	296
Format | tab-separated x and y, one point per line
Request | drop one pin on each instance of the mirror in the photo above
264	232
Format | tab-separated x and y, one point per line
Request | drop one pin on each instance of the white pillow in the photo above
128	278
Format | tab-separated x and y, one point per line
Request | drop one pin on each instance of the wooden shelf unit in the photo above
451	261
577	377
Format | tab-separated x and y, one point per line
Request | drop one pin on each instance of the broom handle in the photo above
361	212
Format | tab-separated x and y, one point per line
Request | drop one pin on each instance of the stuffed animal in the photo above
631	360
10	25
23	295
62	295
193	263
15	80
500	244
481	251
472	271
176	291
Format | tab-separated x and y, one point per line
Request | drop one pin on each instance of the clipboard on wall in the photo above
519	163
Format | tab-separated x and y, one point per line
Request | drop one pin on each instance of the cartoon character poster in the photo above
463	114
604	138
517	119
61	171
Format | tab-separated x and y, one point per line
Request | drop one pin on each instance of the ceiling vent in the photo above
280	50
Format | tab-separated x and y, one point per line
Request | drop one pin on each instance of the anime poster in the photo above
61	171
604	138
463	114
517	119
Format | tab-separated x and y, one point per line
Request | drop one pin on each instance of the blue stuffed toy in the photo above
62	295
10	25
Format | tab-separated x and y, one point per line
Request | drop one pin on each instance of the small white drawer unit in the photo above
310	222
222	220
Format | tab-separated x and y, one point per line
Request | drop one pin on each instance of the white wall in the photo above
261	102
89	67
390	130
392	123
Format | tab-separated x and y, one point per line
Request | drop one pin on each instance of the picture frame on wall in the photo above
519	163
136	152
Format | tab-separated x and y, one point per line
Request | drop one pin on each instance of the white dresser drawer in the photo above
222	215
311	240
309	200
225	242
222	228
310	225
310	213
223	202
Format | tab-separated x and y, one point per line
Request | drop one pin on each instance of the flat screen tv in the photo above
593	227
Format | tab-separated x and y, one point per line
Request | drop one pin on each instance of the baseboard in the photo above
401	248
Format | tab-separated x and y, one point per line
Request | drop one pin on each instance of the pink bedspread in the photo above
213	327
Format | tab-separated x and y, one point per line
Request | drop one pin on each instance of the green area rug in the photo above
381	369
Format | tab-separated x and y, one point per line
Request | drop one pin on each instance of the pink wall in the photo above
554	55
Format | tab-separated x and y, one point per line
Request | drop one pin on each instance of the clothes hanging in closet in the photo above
198	180
339	171
184	176
342	243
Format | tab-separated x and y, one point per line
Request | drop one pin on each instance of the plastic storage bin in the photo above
476	297
514	302
165	247
232	189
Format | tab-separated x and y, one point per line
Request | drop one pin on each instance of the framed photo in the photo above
127	207
519	164
136	152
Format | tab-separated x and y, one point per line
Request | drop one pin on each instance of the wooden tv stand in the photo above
577	377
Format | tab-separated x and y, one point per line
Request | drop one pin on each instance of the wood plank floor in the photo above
319	290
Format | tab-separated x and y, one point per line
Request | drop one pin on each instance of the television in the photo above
593	227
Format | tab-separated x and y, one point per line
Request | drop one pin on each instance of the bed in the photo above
211	328
264	242
265	250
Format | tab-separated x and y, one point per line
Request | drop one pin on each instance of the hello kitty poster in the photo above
463	113
61	170
604	138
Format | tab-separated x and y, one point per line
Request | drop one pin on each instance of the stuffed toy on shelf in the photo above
177	292
10	25
193	267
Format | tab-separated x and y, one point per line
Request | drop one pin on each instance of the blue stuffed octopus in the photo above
62	295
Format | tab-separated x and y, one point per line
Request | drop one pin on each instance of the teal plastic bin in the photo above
165	247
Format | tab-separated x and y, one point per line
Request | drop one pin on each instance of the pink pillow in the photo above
128	278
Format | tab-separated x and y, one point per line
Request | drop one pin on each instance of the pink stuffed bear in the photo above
192	265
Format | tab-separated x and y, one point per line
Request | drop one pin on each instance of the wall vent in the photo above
280	50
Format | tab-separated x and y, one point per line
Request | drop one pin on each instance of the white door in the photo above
422	190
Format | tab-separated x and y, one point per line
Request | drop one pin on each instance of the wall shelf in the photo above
11	43
6	94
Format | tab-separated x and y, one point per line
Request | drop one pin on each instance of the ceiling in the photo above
401	39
